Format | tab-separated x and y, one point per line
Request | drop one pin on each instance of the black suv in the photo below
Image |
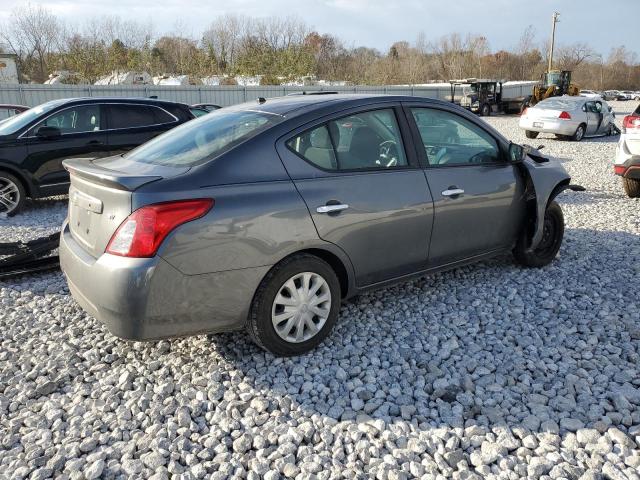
34	143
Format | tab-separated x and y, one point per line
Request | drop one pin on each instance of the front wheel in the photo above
295	306
12	194
531	134
550	244
631	187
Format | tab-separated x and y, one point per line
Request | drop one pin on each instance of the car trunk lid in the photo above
544	114
100	197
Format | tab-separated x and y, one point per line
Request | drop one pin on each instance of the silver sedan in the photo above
569	118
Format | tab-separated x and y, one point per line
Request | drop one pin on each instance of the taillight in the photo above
524	112
630	122
619	169
142	232
565	116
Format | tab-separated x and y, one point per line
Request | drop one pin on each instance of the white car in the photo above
569	118
589	94
630	95
627	163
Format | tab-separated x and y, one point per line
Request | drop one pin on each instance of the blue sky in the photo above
378	23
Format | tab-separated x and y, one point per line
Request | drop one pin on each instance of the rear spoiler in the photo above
87	169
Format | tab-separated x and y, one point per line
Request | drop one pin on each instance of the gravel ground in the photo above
487	371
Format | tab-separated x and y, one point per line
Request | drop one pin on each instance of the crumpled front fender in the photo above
547	179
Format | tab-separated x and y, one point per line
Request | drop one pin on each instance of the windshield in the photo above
204	138
14	124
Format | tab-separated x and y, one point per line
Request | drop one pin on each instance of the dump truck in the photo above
486	96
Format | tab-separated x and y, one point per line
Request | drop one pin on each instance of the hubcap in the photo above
301	307
9	195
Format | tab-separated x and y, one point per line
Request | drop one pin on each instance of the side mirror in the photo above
48	133
517	153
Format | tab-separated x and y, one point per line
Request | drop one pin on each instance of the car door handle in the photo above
452	192
332	208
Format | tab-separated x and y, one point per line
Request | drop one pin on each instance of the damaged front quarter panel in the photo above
546	179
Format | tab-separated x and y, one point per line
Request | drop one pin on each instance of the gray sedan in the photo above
267	215
569	118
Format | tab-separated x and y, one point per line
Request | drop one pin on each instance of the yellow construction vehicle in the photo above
554	83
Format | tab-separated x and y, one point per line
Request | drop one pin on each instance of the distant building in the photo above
176	80
125	78
9	68
65	77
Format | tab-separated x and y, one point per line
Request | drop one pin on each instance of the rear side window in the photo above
369	140
204	138
132	116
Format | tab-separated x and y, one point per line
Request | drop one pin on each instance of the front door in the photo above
82	135
477	195
365	193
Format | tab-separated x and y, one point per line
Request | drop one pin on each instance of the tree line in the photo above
286	49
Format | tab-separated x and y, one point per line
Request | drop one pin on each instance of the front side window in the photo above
450	139
204	138
79	119
369	140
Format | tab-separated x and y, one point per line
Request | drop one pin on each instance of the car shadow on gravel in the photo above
491	344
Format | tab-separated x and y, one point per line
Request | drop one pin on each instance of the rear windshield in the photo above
557	104
204	138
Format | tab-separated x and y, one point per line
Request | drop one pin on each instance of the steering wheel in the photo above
389	153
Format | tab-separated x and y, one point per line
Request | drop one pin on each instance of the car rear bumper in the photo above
148	299
560	127
626	163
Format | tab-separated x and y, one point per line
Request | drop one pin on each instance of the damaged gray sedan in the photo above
266	215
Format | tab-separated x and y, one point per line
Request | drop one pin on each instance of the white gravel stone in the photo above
485	371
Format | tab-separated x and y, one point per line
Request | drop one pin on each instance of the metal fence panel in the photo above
223	95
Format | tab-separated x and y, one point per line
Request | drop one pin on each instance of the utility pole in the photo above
554	20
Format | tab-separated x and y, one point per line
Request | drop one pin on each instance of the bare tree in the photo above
33	33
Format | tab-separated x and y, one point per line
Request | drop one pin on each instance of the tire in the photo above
550	244
579	135
485	111
12	194
631	187
262	326
531	134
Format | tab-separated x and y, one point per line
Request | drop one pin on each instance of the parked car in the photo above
265	216
569	118
34	143
207	106
8	111
627	162
636	95
590	94
628	94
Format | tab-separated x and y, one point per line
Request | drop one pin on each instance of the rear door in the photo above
131	125
478	204
82	136
364	189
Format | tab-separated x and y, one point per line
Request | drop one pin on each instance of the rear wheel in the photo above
631	187
579	135
531	134
548	247
295	306
12	194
